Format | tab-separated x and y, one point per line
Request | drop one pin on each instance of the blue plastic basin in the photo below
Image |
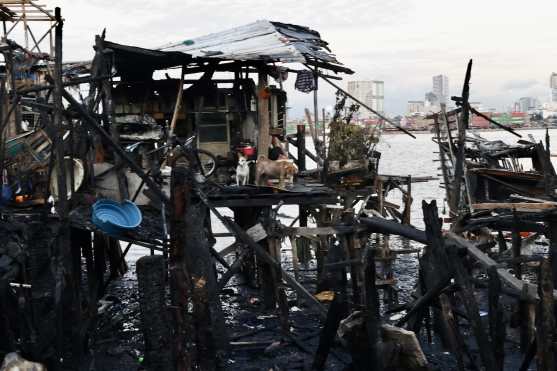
114	217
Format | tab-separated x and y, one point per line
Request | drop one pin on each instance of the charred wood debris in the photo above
56	266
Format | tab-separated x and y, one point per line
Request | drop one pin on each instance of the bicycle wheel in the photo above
208	162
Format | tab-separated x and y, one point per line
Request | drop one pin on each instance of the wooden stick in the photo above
178	104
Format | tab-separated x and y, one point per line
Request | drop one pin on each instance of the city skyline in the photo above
404	51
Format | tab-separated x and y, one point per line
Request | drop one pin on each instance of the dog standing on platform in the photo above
242	171
280	169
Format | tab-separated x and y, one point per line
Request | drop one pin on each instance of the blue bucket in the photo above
115	218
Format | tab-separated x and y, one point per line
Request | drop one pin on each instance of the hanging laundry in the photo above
305	81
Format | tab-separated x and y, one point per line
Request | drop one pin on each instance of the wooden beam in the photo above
518	206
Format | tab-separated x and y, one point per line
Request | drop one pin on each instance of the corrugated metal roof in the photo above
261	40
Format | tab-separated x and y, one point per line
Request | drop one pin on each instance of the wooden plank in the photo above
320	231
519	206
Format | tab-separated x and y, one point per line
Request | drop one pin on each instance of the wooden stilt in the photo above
546	319
496	318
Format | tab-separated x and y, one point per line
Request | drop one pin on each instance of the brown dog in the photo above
280	169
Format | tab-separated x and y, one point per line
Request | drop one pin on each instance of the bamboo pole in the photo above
178	104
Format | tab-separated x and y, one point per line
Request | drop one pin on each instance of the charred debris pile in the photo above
91	150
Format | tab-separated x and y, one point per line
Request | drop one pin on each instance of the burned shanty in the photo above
256	248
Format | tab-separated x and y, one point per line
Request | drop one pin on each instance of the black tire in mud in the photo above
155	322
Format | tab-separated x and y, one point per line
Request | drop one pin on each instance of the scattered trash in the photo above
325	296
14	362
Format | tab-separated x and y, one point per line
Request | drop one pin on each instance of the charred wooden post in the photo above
180	281
191	263
546	319
151	273
63	252
246	217
99	254
551	223
301	146
462	126
501	242
496	318
371	313
407	198
208	320
304	254
451	333
516	247
471	306
267	275
337	311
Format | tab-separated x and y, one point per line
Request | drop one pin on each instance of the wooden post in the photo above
454	339
208	320
180	283
337	311
151	272
63	253
301	146
551	223
496	318
371	313
516	246
267	276
246	217
546	319
303	245
462	126
471	306
191	263
264	139
501	242
407	215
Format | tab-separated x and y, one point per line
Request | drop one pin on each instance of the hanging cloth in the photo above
305	82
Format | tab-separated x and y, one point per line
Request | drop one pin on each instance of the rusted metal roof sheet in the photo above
261	40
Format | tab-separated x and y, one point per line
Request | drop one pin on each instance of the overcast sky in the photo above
402	42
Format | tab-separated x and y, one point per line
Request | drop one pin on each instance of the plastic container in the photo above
115	218
78	175
248	151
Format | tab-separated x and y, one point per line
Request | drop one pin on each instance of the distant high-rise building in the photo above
441	88
553	86
526	104
415	106
369	92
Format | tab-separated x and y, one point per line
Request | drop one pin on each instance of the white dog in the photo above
242	171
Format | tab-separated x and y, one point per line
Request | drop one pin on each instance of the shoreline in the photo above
396	132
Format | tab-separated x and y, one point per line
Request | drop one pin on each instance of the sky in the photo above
402	42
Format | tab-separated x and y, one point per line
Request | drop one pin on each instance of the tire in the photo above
208	162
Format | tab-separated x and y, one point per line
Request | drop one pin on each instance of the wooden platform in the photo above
259	196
